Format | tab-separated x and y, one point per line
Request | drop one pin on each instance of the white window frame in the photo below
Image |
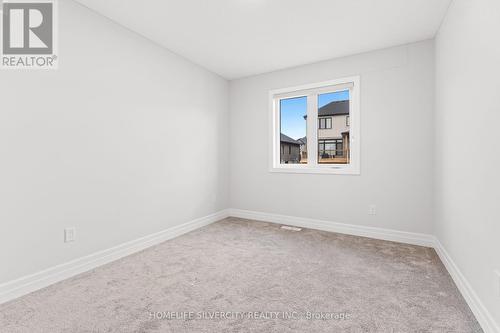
311	91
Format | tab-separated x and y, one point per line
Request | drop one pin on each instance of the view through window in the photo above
333	128
293	146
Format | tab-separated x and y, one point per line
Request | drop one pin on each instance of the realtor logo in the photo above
28	35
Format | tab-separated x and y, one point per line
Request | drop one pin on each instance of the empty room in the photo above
250	166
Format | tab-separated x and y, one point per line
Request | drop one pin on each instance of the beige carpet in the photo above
246	276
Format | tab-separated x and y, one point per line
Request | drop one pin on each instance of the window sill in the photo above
330	170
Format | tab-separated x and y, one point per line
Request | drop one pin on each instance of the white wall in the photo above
397	99
467	143
123	140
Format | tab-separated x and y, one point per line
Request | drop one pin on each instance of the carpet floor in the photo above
245	276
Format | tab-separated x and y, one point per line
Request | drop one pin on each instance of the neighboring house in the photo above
303	149
290	150
333	133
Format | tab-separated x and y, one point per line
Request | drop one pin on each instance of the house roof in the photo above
303	140
334	109
287	139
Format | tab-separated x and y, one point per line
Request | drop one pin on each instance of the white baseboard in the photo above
30	283
349	229
483	316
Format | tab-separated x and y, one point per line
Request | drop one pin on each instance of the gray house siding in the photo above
290	153
289	150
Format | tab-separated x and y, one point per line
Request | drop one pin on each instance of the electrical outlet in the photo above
69	235
372	210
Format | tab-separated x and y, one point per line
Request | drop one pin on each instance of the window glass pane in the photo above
333	138
293	127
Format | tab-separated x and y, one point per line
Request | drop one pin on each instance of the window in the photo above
333	143
329	149
325	123
292	128
318	126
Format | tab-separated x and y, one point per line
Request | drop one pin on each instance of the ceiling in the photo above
237	38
